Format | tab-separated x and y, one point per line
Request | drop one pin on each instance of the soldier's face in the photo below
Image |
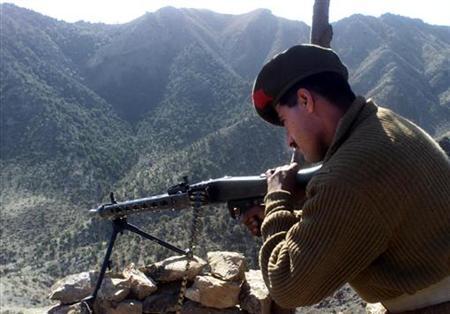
303	130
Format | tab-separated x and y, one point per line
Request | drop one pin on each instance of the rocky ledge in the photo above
222	284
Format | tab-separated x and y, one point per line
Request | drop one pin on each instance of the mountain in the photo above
50	118
89	108
401	62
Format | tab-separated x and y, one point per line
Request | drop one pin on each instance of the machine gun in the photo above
240	194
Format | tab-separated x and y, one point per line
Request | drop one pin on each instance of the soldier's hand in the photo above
253	219
283	178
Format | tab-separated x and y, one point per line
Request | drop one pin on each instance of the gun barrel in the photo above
237	188
163	201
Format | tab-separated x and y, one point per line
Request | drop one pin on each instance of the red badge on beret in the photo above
261	99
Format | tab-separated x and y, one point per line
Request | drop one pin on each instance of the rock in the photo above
212	292
375	308
141	285
254	296
173	268
344	300
114	289
76	287
128	307
227	265
73	288
163	300
124	307
76	308
191	307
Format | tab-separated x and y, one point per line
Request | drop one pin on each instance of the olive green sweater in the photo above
377	215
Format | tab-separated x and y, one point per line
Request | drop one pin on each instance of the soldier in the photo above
377	215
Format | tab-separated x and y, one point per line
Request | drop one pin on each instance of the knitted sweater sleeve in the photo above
306	258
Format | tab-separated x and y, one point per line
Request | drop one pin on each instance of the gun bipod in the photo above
119	225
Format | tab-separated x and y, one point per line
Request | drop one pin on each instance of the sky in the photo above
115	11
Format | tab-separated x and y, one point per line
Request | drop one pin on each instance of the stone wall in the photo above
221	284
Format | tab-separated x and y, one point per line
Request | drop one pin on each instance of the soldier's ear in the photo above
306	99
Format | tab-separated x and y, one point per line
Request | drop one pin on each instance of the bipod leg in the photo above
118	225
134	229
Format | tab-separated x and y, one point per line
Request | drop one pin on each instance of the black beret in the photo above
287	68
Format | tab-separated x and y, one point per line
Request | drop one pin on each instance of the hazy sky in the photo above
114	11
